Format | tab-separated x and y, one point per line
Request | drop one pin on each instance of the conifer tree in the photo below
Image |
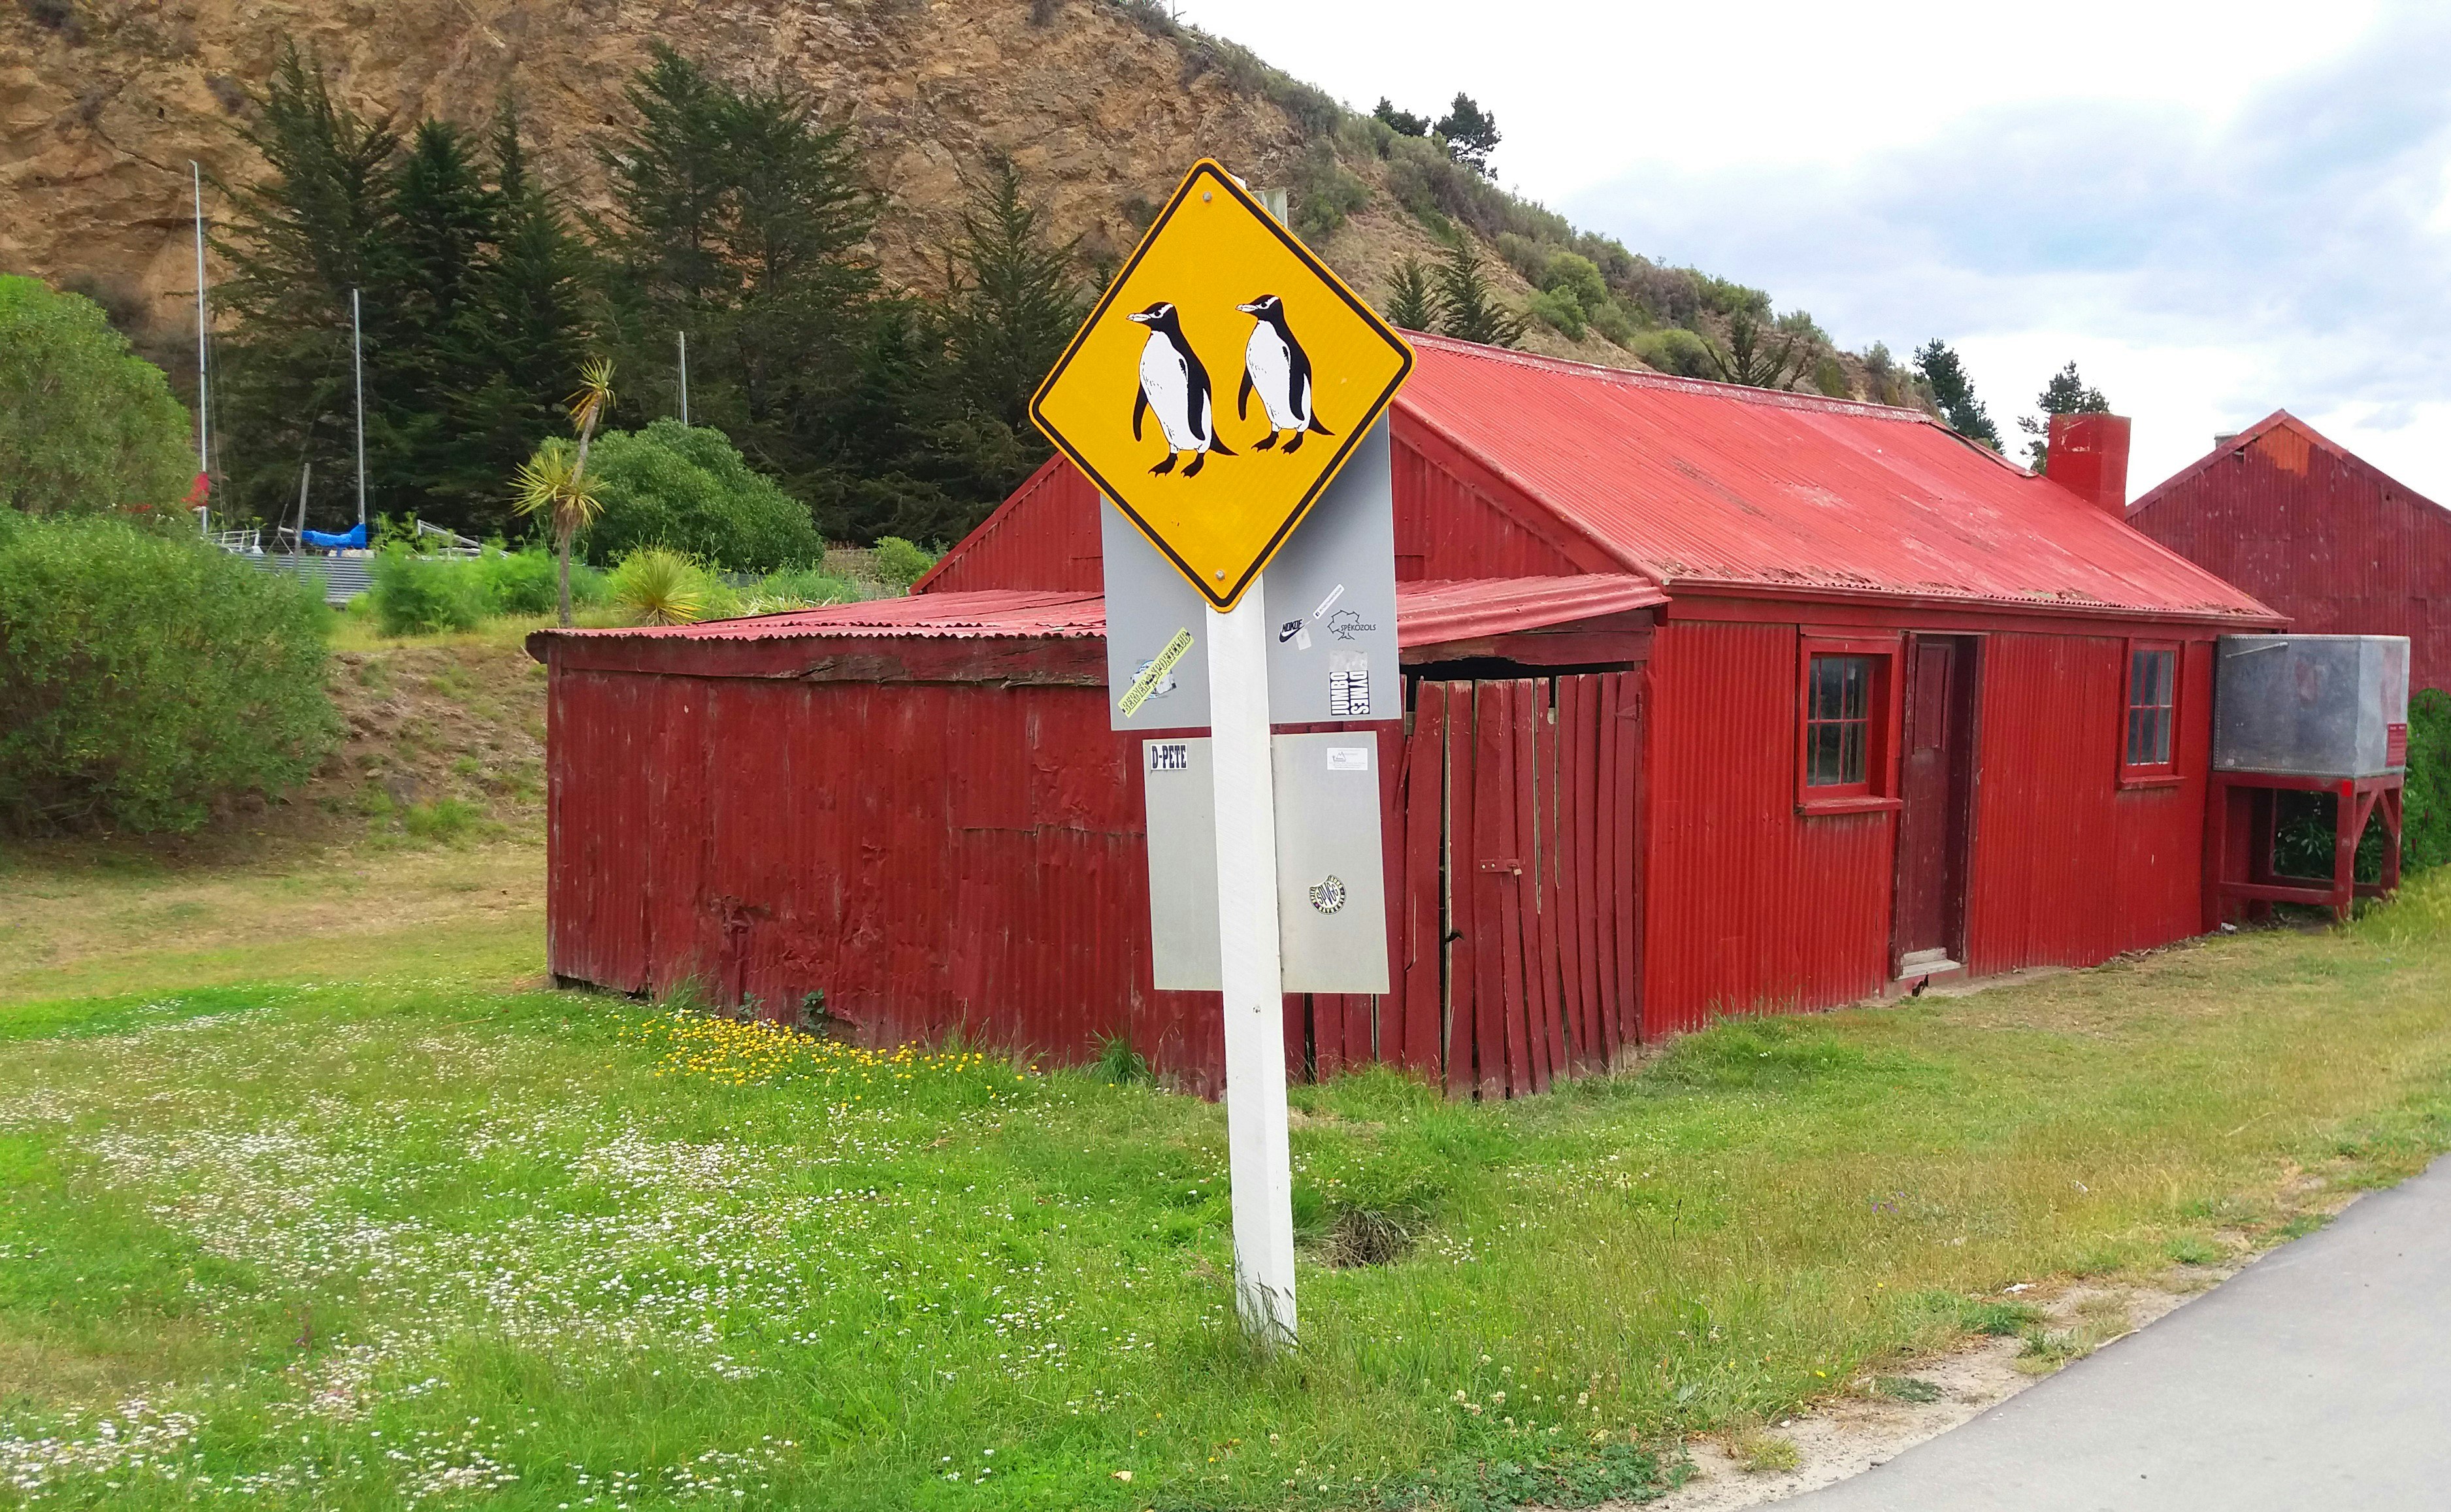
1954	393
1412	298
1469	306
300	239
2065	394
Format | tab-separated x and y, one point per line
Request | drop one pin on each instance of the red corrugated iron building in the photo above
1717	701
2317	532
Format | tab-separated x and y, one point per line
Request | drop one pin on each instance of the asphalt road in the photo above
2318	1378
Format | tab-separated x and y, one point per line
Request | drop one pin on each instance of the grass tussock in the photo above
363	1244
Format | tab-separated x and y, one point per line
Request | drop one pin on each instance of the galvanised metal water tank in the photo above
2323	706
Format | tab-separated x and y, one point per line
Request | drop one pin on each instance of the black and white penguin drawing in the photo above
1276	367
1176	386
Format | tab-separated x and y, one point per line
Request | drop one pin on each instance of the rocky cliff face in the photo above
104	102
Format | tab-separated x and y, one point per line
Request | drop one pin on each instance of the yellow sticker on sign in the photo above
1220	384
1153	675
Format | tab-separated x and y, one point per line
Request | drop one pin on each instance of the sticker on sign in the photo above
1348	758
1154	676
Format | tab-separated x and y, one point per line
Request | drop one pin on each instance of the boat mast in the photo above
358	366
204	450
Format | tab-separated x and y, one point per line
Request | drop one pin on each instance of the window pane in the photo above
2135	736
1858	673
1851	752
1824	703
1821	755
2161	734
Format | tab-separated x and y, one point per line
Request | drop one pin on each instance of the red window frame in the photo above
2140	723
1879	788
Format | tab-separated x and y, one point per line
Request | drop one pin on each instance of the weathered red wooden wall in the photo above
2070	869
2319	535
1751	907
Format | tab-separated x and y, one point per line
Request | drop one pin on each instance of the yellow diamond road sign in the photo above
1220	384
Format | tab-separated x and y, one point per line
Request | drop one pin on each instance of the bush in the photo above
419	596
1323	194
85	423
144	676
2425	805
1557	309
796	588
901	563
687	488
1674	349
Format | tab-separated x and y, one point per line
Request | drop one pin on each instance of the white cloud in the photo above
2215	211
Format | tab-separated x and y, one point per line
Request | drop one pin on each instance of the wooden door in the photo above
1518	959
1935	782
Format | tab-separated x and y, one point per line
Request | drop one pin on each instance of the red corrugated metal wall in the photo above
1045	536
930	856
2321	537
2070	869
1749	906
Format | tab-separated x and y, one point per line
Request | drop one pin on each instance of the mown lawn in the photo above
415	1243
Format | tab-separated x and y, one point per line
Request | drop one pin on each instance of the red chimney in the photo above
2089	458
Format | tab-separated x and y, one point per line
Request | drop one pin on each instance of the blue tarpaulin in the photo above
355	536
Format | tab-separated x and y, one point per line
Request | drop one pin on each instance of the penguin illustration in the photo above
1174	385
1276	366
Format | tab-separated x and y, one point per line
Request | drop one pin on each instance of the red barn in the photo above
2317	532
1716	701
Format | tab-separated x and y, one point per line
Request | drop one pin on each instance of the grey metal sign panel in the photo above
1331	600
1331	894
1148	604
1179	787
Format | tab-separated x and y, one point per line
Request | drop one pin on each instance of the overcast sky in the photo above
2216	210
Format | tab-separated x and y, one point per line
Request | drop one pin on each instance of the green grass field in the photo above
419	1241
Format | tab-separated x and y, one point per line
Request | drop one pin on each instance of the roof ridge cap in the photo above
1652	378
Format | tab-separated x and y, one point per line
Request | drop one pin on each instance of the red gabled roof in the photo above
2278	419
1427	613
1712	487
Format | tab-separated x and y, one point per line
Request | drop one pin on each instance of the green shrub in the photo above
901	563
2425	814
85	423
1674	349
1557	309
1576	276
419	595
144	676
687	488
1323	194
1612	320
523	583
796	588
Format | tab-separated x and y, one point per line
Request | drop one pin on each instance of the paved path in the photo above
2318	1378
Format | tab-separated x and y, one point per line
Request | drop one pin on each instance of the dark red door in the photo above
1936	781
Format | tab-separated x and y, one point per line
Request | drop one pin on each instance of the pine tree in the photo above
1469	306
738	218
1471	133
1412	297
319	224
1403	122
1954	393
530	328
2065	394
1013	297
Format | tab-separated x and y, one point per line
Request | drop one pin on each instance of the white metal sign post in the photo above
1213	393
1249	953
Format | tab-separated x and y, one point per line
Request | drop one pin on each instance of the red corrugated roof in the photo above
1427	613
1706	485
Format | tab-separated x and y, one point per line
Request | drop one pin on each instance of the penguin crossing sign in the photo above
1219	384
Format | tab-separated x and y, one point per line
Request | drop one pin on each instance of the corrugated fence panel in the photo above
1750	907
